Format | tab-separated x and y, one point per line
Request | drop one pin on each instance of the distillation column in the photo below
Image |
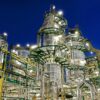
49	37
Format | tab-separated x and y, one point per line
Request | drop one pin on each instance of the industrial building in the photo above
63	65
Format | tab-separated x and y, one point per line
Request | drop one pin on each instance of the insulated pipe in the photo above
42	91
90	86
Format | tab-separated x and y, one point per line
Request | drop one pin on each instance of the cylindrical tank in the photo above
52	29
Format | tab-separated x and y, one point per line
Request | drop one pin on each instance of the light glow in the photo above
27	45
18	45
57	38
60	12
60	23
38	95
82	62
31	71
98	89
14	51
53	6
56	25
5	34
18	63
33	46
76	32
91	52
87	44
97	73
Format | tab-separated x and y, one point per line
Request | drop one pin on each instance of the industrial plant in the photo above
63	65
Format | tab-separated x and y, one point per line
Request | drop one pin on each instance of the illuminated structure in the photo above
60	67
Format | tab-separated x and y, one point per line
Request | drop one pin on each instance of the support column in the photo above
2	72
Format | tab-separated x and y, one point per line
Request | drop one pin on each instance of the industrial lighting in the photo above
66	86
18	63
95	57
14	51
60	23
56	25
33	46
76	32
18	45
38	95
91	52
87	44
53	7
82	63
56	18
98	89
56	38
57	57
31	71
60	12
27	45
5	34
97	73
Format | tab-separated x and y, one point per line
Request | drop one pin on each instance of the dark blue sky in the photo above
21	19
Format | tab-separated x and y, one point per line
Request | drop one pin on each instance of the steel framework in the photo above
60	67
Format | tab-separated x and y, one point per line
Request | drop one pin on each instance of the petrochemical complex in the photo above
63	65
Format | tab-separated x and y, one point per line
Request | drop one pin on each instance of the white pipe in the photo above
90	86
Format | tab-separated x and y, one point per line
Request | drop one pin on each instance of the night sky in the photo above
21	19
